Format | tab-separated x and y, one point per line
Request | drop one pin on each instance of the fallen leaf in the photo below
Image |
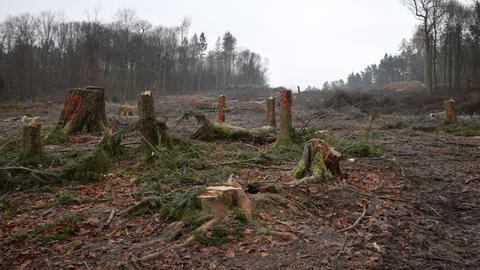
229	253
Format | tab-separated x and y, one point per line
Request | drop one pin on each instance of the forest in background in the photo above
444	52
43	55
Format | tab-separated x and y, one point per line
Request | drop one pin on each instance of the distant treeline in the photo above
444	52
43	55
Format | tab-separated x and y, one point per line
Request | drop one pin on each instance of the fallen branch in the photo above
357	221
472	180
35	172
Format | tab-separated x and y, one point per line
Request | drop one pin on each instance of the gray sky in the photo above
306	41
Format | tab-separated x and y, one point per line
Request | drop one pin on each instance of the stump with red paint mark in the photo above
84	110
31	141
221	110
271	112
450	114
286	127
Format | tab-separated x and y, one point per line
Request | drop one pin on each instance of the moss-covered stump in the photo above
31	142
111	144
84	110
319	162
221	201
450	114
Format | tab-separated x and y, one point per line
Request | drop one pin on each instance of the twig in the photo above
472	180
342	249
112	214
357	221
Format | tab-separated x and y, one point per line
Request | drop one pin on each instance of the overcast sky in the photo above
305	41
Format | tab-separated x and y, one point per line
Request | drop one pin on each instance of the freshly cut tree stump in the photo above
221	110
84	110
147	122
271	120
286	127
219	200
450	114
125	110
32	143
319	162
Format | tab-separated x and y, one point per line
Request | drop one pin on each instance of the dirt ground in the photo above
416	206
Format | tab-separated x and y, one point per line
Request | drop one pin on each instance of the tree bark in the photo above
221	110
147	122
319	162
84	110
271	120
286	127
32	145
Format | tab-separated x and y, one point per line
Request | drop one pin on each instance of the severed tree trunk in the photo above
84	110
286	127
221	110
147	122
319	162
271	112
32	144
450	114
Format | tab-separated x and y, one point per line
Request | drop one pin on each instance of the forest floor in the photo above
414	204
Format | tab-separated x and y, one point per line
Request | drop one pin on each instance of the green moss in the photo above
299	171
363	149
464	128
89	167
218	236
56	137
240	216
65	199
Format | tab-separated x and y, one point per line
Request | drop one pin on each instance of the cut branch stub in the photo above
450	114
319	162
221	110
286	127
271	112
147	123
84	110
32	145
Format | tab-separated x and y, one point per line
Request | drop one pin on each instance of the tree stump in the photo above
147	122
32	143
271	112
286	127
84	110
221	110
125	110
319	162
450	114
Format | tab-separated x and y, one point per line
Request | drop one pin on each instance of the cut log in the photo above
286	127
32	143
450	114
147	122
271	112
84	110
319	162
221	110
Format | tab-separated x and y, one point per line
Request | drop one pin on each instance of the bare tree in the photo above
429	12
